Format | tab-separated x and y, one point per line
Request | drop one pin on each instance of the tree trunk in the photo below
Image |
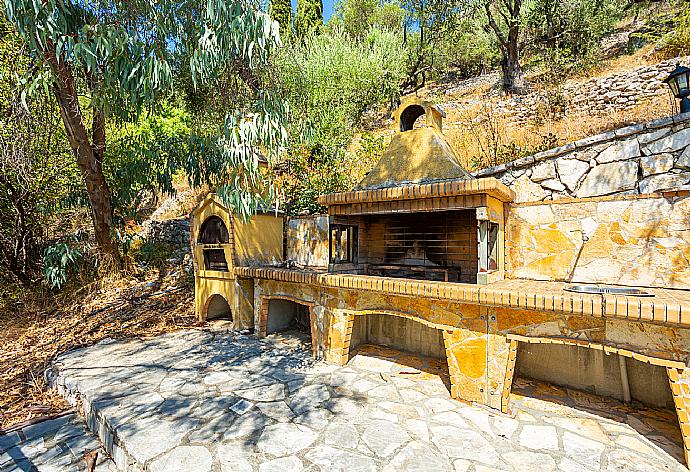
513	78
89	153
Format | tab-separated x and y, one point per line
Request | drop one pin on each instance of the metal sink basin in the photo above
595	289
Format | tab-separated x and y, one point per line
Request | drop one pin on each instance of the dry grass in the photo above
483	137
41	326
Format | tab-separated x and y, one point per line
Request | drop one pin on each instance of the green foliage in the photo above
38	178
143	158
60	260
329	81
309	18
151	252
125	57
465	48
357	17
677	41
281	11
568	33
371	148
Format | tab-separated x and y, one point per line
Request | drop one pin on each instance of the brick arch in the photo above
263	316
341	353
207	302
399	314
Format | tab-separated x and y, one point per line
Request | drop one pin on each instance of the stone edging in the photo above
605	198
619	133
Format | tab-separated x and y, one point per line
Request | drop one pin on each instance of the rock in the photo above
343	436
384	437
309	397
583	450
665	182
539	437
461	465
279	411
553	184
161	436
268	393
232	458
526	461
182	459
620	460
683	161
571	171
241	407
544	171
634	444
284	464
418	428
329	458
439	405
285	438
248	424
656	163
619	151
527	191
670	143
505	427
461	443
417	457
609	178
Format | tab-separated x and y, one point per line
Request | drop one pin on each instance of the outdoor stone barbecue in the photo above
422	257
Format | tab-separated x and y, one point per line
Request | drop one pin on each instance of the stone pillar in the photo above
244	303
263	317
466	356
680	388
339	337
509	374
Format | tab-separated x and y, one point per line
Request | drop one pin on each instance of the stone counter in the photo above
667	306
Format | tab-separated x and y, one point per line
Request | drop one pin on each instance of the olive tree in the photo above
107	60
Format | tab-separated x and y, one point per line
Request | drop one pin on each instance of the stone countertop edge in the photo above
662	308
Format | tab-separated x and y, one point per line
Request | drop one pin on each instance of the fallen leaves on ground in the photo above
113	309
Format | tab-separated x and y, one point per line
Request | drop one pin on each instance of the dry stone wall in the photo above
596	96
640	159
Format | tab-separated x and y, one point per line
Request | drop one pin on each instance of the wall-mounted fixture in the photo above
679	81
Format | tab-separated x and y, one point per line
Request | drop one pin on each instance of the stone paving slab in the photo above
53	445
206	400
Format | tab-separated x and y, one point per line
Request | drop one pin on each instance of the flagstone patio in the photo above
216	400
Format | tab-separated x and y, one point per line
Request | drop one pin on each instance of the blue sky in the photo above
327	8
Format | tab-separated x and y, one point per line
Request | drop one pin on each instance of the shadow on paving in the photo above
55	444
159	393
658	425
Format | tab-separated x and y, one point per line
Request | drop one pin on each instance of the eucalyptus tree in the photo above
112	59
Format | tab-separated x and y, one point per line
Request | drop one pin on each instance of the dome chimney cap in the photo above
412	108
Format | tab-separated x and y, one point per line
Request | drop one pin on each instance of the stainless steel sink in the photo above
595	289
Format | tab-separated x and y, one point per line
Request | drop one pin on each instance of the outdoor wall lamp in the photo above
679	81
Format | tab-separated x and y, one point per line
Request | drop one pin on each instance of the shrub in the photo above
59	261
329	81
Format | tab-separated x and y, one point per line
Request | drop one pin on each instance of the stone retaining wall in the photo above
596	96
639	159
174	232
